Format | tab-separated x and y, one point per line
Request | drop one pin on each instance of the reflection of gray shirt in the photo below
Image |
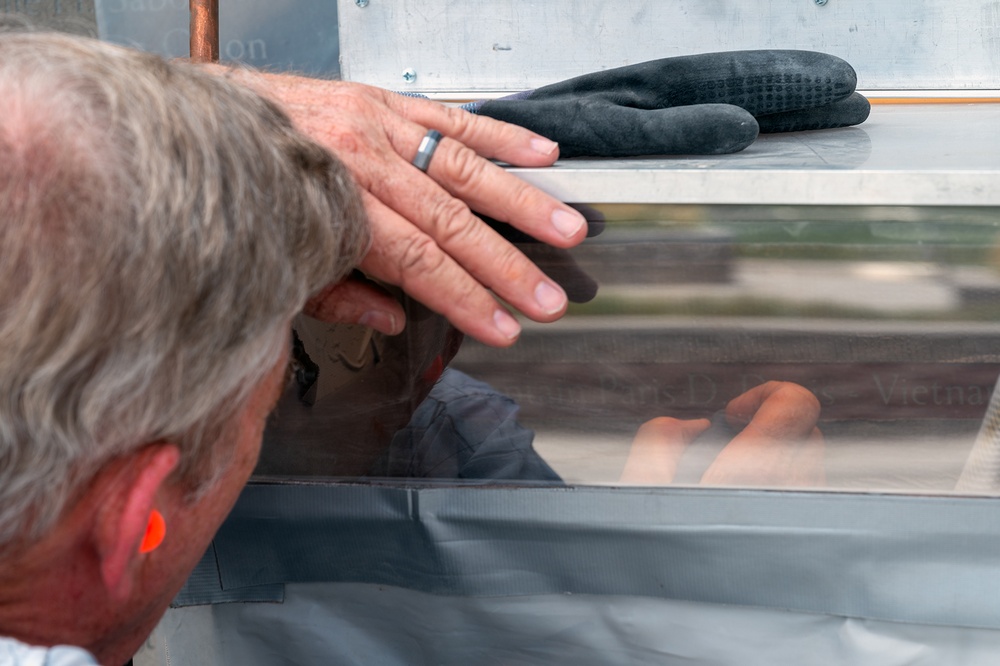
16	653
464	429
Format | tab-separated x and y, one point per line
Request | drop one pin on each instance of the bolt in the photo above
409	75
361	3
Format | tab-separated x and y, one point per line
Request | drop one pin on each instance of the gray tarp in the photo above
348	623
459	575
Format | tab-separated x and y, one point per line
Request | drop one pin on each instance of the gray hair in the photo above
159	226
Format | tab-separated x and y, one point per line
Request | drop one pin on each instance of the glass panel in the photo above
277	35
884	314
888	318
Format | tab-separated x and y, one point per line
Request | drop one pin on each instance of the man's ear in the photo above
123	520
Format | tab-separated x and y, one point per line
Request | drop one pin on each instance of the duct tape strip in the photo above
928	560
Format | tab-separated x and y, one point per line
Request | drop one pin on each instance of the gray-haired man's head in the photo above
159	226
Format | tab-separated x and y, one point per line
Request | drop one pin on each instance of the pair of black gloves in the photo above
704	104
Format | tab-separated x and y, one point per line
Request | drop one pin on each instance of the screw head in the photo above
820	2
409	75
361	3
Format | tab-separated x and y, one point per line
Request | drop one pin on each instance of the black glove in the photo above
688	105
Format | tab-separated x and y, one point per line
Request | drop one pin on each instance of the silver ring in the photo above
426	150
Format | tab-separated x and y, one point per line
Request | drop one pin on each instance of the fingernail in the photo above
567	223
551	298
506	324
383	322
544	146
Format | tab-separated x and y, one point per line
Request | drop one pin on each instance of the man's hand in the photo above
425	236
778	442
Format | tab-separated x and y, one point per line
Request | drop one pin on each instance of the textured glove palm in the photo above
688	105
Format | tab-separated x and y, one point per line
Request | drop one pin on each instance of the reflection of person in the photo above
388	406
396	409
466	429
160	227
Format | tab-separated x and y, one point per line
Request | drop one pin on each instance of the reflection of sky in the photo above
878	286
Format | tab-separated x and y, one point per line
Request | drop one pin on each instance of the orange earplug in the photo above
156	530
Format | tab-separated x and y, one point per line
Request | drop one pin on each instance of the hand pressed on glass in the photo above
426	238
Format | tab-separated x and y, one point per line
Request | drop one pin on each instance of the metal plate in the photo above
507	45
933	154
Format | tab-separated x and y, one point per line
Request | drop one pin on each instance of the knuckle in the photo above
797	391
341	124
463	166
491	128
459	117
450	219
344	143
521	198
463	125
467	296
509	265
418	255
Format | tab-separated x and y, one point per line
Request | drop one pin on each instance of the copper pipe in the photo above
205	30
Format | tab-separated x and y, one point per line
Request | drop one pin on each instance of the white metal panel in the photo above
507	45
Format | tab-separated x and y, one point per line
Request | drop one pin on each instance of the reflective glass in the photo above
887	316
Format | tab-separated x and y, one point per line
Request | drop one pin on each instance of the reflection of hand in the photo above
657	449
557	262
426	239
778	443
